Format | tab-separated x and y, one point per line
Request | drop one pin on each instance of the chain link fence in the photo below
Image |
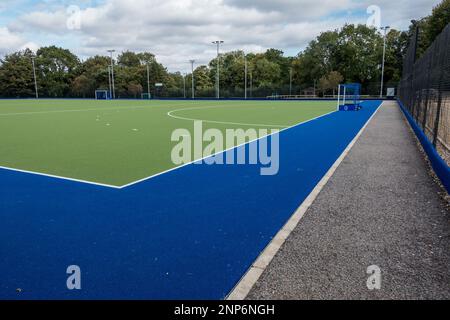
269	91
425	90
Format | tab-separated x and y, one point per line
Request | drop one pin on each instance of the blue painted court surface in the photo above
188	234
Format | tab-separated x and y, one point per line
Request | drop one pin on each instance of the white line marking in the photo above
244	286
74	110
220	122
60	178
97	109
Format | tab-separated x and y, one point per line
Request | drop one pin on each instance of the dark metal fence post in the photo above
441	78
425	111
418	105
413	61
438	116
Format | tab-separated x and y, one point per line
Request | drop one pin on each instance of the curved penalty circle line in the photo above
170	114
223	151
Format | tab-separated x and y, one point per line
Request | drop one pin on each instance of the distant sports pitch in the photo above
118	142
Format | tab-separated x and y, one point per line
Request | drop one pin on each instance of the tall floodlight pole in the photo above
109	79
184	85
290	81
192	75
218	43
112	74
246	70
384	56
35	80
148	81
251	84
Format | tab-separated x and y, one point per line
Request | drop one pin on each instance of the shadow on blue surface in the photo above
188	234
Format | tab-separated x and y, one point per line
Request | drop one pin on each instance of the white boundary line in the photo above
163	172
219	122
72	110
246	283
147	106
59	177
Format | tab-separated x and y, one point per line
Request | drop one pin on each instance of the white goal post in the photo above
102	95
349	97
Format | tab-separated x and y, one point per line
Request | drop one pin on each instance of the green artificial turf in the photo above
121	141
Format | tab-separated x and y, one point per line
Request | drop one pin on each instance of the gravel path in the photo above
381	208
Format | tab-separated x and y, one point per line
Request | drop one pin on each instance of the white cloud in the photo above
12	42
178	30
294	9
42	21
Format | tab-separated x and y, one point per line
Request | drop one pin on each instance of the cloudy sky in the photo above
179	30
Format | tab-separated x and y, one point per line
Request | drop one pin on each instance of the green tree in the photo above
324	85
134	89
334	78
16	75
158	73
396	45
355	51
129	59
437	21
55	69
131	68
82	86
202	79
317	60
359	53
146	58
285	63
96	70
330	82
265	72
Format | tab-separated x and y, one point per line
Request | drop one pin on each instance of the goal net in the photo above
102	95
349	97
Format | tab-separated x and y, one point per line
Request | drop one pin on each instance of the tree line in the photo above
352	53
